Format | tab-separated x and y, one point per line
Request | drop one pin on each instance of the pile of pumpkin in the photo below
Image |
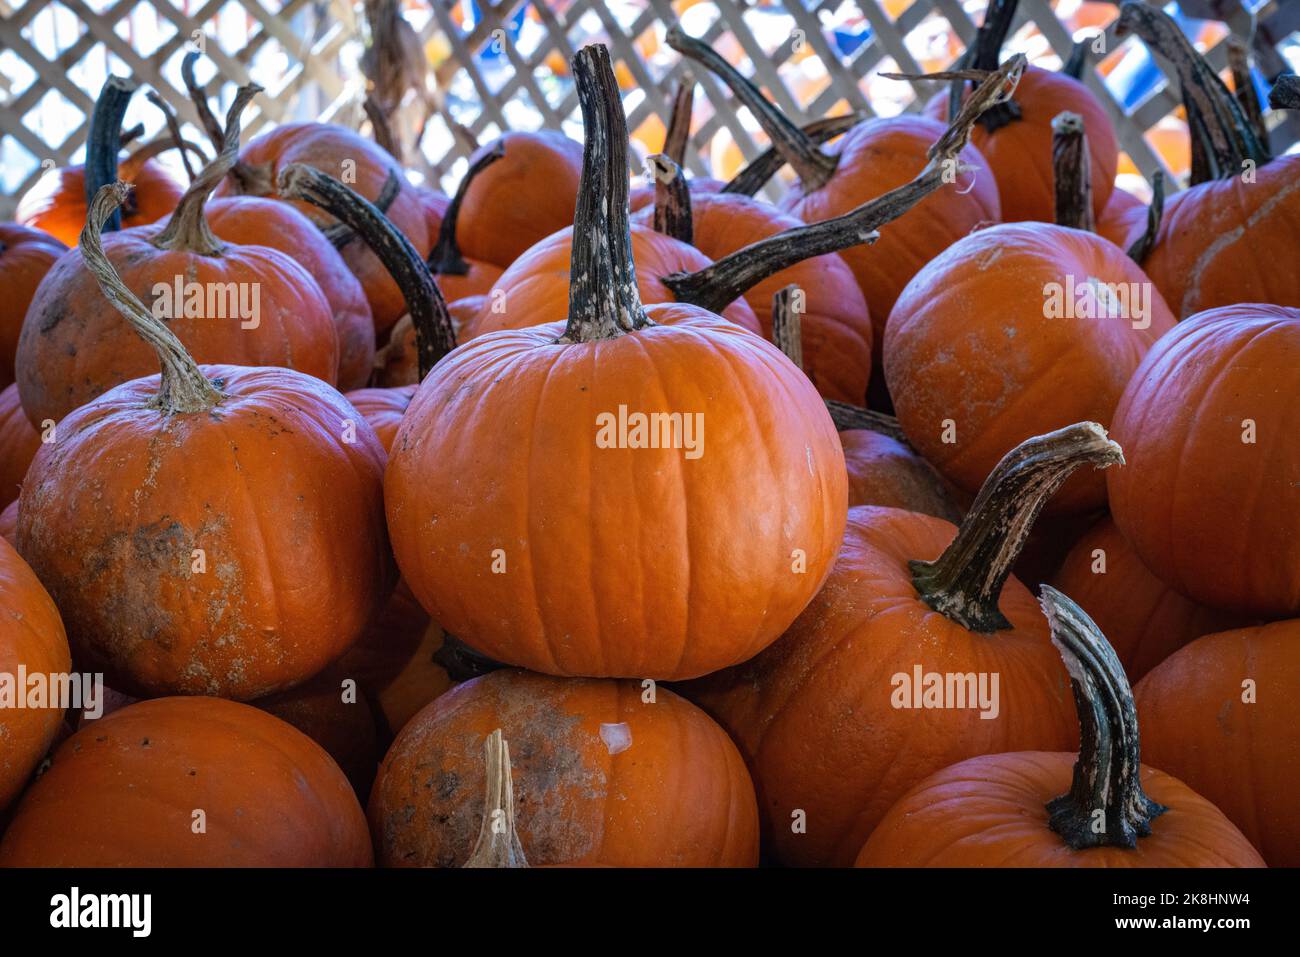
367	550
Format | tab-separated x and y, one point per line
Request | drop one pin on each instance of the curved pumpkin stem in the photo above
199	97
1243	87
105	140
965	582
815	168
183	388
1285	94
1105	806
173	130
1222	139
672	199
445	258
1143	245
188	228
985	54
498	841
722	282
1072	171
604	302
1077	62
434	334
678	135
769	162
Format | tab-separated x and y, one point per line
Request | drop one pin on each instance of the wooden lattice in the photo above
486	75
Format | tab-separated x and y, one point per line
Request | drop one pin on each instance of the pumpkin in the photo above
257	221
1103	808
1122	216
383	409
1221	714
126	791
1144	619
228	524
398	362
1012	331
871	159
693	567
1015	139
1207	251
605	773
521	199
1210	501
57	204
837	720
18	444
26	255
32	639
9	522
459	277
72	349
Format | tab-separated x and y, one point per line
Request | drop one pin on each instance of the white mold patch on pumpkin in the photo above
617	737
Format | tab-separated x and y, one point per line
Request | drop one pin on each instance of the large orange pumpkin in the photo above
1210	500
1013	331
1222	715
657	557
26	255
189	782
32	639
18	444
213	530
1101	808
605	773
246	305
838	718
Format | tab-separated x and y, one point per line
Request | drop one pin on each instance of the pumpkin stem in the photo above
1072	172
446	258
965	582
173	130
1078	60
722	282
1107	775
769	162
678	135
1285	94
460	661
604	302
498	841
815	168
434	333
848	418
182	388
1143	245
985	54
787	335
105	140
1243	87
188	228
199	96
672	199
1222	139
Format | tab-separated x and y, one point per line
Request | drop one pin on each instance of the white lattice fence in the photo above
501	64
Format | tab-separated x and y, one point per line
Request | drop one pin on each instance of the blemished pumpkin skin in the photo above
535	289
229	528
32	638
1210	501
1244	755
1143	618
884	471
815	714
257	221
122	792
369	170
57	203
970	342
836	327
26	255
1019	154
18	444
600	777
661	597
521	199
1100	808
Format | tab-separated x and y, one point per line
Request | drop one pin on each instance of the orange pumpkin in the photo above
1103	808
32	639
1210	501
18	444
662	597
383	409
26	255
1013	331
131	790
459	277
9	522
838	719
603	775
1222	714
884	471
228	523
72	349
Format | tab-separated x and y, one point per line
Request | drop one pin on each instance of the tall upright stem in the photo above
672	199
1143	245
105	140
678	134
498	840
1072	170
787	328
